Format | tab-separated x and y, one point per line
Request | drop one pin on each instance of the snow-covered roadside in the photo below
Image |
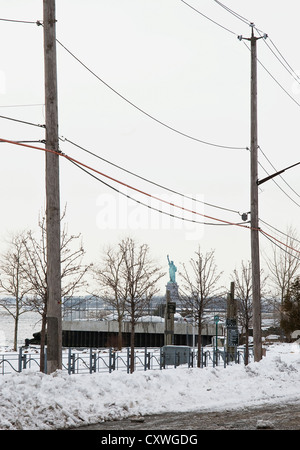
32	400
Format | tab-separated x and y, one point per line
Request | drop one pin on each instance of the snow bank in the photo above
32	400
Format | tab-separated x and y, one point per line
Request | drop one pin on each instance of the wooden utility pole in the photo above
54	328
256	298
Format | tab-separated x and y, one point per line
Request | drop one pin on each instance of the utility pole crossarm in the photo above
275	174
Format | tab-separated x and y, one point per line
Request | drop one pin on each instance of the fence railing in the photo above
75	361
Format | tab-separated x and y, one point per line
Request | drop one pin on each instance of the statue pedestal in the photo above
172	287
171	297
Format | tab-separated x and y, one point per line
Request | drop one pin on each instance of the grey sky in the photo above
186	72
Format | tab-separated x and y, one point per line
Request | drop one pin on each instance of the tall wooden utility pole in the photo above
256	297
54	329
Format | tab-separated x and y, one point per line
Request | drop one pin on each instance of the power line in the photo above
26	142
87	168
22	106
37	22
286	65
276	171
272	239
208	18
144	204
147	180
142	110
235	14
132	104
273	77
22	121
279	231
274	181
282	249
123	183
283	61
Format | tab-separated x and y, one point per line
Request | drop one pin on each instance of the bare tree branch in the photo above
284	266
128	279
199	287
13	281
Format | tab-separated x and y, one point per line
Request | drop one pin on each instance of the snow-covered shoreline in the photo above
34	401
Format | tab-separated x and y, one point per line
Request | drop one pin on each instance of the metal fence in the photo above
75	361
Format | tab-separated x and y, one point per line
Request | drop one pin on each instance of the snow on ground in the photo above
32	400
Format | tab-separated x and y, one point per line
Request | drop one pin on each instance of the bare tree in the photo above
290	319
284	264
112	285
141	275
35	268
243	292
200	280
13	281
73	271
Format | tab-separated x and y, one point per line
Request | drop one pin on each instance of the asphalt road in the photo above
275	417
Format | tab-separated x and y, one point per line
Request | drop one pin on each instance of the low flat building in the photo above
104	333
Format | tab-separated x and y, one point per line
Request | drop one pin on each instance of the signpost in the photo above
231	325
169	320
232	333
216	320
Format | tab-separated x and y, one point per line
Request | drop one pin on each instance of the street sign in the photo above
171	307
232	336
230	323
216	319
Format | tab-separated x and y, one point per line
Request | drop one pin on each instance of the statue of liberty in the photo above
172	270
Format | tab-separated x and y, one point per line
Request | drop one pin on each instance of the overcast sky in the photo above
185	71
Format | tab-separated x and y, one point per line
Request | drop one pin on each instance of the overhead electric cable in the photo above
22	106
235	14
279	231
272	76
142	110
276	171
279	56
144	204
284	59
282	62
22	121
123	183
274	181
37	22
295	76
208	18
239	16
142	192
277	240
282	249
147	180
26	142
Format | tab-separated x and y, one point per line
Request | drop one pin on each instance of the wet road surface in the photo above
273	417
